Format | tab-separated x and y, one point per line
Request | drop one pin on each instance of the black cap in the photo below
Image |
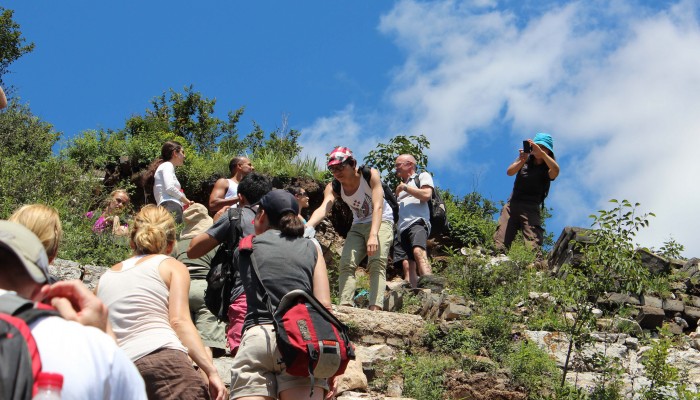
277	203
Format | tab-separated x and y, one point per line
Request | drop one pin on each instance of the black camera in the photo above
527	147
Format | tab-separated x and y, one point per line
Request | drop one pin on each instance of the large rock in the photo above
381	327
654	263
565	250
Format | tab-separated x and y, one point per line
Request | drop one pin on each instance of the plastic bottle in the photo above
49	386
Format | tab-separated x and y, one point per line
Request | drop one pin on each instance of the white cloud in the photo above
617	84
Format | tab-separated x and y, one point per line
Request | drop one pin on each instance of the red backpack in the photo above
20	363
312	341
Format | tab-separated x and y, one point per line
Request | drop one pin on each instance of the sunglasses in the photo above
399	164
337	167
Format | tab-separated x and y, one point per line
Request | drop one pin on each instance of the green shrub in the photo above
532	368
424	376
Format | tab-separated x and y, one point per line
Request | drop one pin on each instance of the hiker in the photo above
533	170
371	233
302	198
166	188
65	346
286	261
251	189
413	227
154	287
3	99
225	190
116	203
212	332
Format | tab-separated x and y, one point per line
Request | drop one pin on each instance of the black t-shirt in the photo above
285	264
531	182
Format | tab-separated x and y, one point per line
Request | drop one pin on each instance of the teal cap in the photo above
545	139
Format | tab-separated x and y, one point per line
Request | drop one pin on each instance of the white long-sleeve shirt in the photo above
166	186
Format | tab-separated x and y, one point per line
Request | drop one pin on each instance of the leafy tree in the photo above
384	156
609	264
12	44
24	134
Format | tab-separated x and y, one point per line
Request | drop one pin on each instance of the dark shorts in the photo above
169	374
415	235
174	208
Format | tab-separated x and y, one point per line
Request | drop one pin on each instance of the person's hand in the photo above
372	244
221	212
522	157
399	188
536	150
75	302
332	388
217	389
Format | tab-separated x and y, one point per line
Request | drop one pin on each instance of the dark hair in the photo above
295	190
166	153
290	225
254	186
233	164
169	147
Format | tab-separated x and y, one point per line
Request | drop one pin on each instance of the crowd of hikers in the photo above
156	320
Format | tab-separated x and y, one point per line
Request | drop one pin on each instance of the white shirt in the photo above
92	365
360	203
166	186
410	208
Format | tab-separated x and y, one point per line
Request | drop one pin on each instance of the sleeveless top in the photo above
232	190
137	298
285	264
360	203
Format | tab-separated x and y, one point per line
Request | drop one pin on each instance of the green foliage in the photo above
520	253
424	376
82	245
494	321
609	264
24	135
471	219
456	340
608	384
666	380
384	156
672	249
532	368
12	44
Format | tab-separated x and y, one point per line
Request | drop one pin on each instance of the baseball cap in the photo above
278	202
24	244
339	155
545	140
197	220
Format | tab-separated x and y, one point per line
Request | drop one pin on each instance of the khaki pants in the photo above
354	251
517	216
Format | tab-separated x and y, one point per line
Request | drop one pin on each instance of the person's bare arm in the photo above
321	287
320	213
3	99
201	245
377	208
424	193
177	278
216	198
551	163
518	163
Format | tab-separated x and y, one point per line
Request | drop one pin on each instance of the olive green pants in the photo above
354	251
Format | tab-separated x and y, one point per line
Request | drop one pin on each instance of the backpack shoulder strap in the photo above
366	171
335	184
13	304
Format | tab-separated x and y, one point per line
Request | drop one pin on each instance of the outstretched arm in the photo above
324	208
201	245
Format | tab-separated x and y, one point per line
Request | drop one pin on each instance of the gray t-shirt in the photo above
410	208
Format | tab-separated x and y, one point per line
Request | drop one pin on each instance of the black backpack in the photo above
223	273
388	193
438	211
20	363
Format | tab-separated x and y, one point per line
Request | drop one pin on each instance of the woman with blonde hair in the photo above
117	201
147	297
44	221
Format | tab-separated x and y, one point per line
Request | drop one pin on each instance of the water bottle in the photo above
49	386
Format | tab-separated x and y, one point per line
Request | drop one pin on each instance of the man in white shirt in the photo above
225	191
92	365
413	227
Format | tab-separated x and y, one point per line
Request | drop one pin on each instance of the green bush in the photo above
424	376
532	368
471	219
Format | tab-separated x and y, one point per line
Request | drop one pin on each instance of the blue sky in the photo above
617	83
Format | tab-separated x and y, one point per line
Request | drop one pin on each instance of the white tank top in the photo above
137	299
232	190
360	203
